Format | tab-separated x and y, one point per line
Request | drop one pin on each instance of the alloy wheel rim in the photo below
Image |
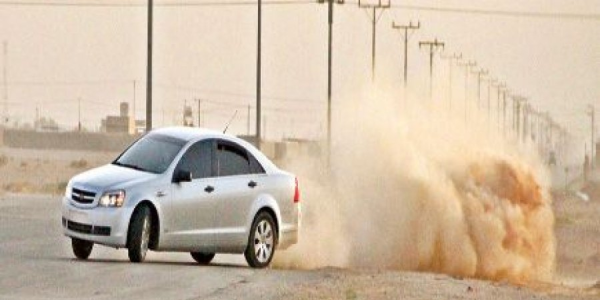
145	236
263	241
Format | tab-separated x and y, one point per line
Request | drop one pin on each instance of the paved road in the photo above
36	263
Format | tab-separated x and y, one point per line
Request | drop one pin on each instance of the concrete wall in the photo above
118	142
65	140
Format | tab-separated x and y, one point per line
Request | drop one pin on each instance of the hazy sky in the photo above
59	54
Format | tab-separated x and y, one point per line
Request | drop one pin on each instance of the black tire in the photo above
251	254
202	258
139	232
82	249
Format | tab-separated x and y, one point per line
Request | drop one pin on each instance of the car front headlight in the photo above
112	199
68	190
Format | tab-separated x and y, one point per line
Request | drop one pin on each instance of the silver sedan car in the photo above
185	190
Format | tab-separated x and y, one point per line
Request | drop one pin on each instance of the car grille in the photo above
85	228
82	196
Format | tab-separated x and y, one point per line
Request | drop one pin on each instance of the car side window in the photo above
198	160
255	166
232	160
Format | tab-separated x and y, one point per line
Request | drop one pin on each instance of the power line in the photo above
506	13
165	86
448	10
142	4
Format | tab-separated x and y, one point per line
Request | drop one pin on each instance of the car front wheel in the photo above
139	234
82	249
261	242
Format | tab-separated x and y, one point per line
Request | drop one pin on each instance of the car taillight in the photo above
296	193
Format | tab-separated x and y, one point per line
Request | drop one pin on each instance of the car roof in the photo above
186	133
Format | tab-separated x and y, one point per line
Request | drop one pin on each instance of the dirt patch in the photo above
79	164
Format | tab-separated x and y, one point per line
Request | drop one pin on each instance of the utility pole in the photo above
247	126
451	59
504	105
200	112
491	82
258	75
592	114
79	114
382	5
433	46
499	86
5	83
149	70
547	134
525	133
133	106
406	35
265	126
329	68
467	65
481	72
36	124
518	101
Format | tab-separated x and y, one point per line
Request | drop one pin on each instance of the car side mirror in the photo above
182	176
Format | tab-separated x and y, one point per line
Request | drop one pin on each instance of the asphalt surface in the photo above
36	262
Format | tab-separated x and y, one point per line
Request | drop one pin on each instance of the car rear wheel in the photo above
202	258
139	234
82	249
261	242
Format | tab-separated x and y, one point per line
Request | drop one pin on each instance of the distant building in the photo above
140	126
123	123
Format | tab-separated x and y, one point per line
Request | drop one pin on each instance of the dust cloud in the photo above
414	188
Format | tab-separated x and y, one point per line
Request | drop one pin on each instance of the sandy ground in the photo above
41	171
37	262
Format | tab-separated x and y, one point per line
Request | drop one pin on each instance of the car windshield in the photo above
153	153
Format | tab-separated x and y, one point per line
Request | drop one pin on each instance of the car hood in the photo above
110	177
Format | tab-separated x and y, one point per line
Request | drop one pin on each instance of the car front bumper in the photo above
101	225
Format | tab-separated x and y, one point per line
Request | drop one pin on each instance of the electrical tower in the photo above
372	7
433	47
451	59
406	31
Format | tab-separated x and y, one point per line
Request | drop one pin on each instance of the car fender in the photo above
264	201
146	195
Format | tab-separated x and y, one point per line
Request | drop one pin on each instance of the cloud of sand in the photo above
413	188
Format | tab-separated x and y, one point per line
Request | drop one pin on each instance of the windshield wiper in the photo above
135	167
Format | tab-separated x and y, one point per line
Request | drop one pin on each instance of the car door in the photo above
193	204
239	188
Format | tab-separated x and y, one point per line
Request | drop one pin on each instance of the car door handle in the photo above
252	184
209	189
